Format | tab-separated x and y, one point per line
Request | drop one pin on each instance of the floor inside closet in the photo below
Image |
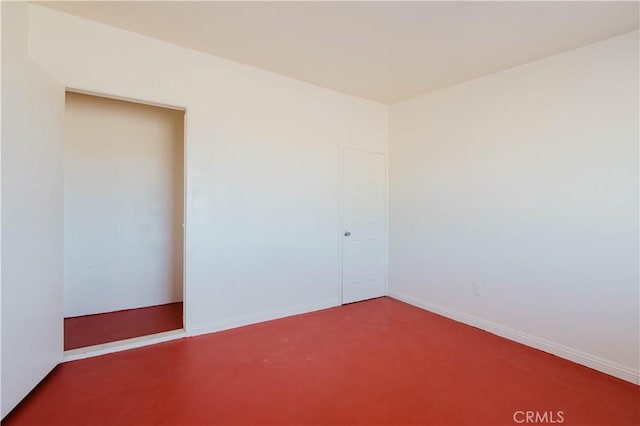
89	330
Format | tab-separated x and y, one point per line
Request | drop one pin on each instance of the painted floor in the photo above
379	362
88	330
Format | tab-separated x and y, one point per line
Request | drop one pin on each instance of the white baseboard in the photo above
261	317
592	361
121	345
137	342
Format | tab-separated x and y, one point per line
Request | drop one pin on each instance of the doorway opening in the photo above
123	220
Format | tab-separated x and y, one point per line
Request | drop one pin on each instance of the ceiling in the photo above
384	51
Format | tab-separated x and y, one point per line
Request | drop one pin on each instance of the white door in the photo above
31	225
364	222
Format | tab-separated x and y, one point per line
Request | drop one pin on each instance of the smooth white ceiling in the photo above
384	51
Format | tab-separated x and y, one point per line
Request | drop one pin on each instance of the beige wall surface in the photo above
123	205
525	182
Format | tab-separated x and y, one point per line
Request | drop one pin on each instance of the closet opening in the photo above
123	220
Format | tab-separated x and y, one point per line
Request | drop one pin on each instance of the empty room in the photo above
320	213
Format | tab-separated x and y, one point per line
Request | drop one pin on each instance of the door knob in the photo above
347	233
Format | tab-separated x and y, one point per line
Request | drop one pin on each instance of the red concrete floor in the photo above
380	362
88	330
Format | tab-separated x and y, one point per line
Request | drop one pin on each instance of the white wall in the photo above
31	242
123	205
262	164
526	181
